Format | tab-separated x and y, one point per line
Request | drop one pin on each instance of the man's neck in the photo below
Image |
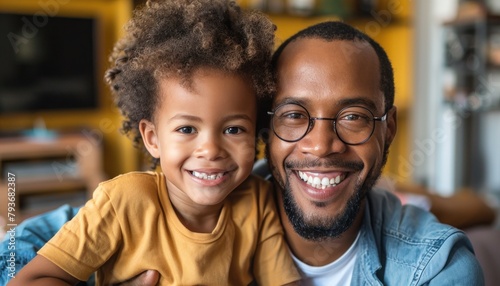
323	252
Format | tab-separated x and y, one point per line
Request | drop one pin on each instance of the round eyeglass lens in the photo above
290	122
354	125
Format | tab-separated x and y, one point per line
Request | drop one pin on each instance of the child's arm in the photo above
41	271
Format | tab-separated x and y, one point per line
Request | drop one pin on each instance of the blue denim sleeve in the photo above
457	262
22	242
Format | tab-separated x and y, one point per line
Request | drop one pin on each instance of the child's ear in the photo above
149	137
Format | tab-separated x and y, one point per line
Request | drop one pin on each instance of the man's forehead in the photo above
311	68
348	51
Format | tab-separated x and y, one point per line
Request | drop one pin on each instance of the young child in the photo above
186	78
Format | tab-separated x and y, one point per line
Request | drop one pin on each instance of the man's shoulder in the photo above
410	242
406	223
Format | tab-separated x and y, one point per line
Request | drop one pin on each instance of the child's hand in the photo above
146	278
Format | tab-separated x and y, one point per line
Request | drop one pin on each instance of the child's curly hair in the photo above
176	38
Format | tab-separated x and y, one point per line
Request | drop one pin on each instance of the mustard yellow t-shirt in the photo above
130	226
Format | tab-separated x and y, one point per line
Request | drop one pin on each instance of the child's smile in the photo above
208	176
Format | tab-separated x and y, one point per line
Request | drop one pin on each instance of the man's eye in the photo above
351	117
186	130
233	130
294	115
355	116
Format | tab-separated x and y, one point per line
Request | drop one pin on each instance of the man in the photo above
333	121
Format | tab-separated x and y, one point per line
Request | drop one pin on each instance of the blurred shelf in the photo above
46	173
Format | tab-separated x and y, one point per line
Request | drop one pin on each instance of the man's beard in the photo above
316	228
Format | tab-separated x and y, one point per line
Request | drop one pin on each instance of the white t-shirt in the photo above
339	272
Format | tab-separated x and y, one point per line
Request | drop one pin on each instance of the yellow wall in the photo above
394	33
105	122
398	45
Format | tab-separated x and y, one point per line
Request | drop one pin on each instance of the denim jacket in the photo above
405	245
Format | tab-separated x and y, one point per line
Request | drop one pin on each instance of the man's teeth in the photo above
318	183
206	176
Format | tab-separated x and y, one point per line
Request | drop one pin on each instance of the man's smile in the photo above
321	181
320	186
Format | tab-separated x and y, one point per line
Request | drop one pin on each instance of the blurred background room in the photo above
60	133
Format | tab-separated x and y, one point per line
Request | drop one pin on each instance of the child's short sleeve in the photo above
88	240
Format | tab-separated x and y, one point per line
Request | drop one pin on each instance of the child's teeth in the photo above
206	176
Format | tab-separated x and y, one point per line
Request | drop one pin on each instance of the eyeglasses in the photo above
354	125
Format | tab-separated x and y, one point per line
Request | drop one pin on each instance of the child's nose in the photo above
211	148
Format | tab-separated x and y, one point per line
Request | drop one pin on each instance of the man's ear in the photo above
392	125
150	137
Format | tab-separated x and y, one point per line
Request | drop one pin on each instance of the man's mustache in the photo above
325	163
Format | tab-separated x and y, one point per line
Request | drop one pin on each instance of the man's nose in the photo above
321	140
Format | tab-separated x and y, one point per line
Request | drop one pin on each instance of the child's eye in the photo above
186	130
233	130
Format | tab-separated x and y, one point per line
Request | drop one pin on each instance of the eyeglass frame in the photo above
310	125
